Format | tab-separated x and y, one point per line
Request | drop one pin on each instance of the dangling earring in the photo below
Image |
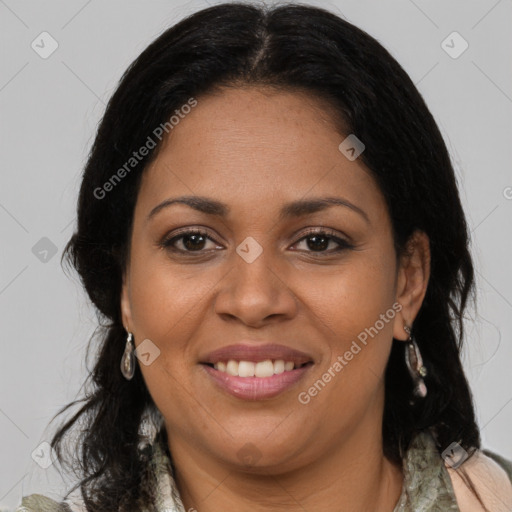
128	359
415	365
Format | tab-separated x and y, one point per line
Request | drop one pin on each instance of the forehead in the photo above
257	146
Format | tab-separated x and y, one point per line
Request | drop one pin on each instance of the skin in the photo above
256	149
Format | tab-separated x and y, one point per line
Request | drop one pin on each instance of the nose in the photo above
255	293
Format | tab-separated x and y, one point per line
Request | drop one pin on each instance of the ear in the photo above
412	280
126	312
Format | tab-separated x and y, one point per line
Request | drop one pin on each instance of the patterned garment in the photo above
427	484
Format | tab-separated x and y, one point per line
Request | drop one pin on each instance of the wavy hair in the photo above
287	47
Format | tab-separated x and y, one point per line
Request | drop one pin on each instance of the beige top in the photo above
490	480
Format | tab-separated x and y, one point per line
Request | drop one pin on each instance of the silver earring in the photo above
128	359
415	365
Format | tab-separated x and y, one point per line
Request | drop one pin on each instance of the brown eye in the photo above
193	241
190	241
319	241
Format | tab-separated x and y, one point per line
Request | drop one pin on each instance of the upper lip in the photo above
250	352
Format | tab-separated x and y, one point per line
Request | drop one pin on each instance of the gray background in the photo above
49	110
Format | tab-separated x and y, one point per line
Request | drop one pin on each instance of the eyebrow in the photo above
289	210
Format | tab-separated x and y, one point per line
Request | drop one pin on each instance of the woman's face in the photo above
257	277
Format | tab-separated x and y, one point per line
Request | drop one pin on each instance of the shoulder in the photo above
40	503
491	477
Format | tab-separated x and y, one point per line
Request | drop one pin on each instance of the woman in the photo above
263	217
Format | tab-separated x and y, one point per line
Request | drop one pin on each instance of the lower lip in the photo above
256	388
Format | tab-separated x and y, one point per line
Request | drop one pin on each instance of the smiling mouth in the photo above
260	369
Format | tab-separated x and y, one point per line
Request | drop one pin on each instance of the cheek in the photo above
354	297
166	299
164	310
356	305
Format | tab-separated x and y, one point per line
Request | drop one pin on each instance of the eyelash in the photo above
168	242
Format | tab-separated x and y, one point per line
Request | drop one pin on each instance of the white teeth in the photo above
246	369
278	366
232	367
265	368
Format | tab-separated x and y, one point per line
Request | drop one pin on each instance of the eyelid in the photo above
177	234
323	230
344	242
